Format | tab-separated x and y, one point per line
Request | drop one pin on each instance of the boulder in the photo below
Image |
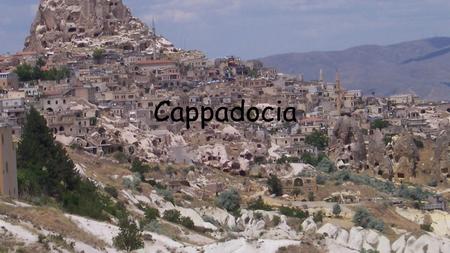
342	236
372	237
309	226
356	238
384	245
329	230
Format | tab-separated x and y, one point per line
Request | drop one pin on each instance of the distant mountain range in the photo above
421	67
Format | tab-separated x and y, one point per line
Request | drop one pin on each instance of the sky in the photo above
257	28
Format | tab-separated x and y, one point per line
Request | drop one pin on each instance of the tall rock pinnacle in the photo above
66	24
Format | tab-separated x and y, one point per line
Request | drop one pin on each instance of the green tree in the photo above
24	72
130	236
172	215
151	214
229	200
362	217
140	167
43	165
317	139
187	222
336	209
275	186
45	170
379	123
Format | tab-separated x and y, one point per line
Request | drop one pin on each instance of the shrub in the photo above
369	251
187	222
379	123
336	209
259	160
133	182
98	54
153	226
166	194
229	200
293	212
311	196
288	159
120	157
418	143
309	158
326	165
426	227
376	224
172	215
259	204
318	217
321	179
258	215
276	220
433	183
414	193
139	167
151	214
363	218
274	184
111	190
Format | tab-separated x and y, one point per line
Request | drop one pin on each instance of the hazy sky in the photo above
256	28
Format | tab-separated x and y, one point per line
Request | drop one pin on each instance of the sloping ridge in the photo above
419	66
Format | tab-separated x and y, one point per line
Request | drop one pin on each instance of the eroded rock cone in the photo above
84	23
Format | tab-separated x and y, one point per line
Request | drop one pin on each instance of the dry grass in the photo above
50	219
392	219
330	187
99	168
302	248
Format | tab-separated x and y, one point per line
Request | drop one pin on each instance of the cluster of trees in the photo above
409	192
317	139
27	73
46	172
365	219
174	216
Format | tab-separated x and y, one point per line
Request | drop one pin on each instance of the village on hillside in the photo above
353	173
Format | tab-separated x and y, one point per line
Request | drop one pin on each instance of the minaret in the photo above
321	76
338	93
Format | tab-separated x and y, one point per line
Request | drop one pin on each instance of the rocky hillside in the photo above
96	23
419	66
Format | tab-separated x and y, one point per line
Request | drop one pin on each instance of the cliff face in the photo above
86	23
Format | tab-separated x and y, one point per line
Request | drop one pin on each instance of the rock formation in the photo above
89	23
347	142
